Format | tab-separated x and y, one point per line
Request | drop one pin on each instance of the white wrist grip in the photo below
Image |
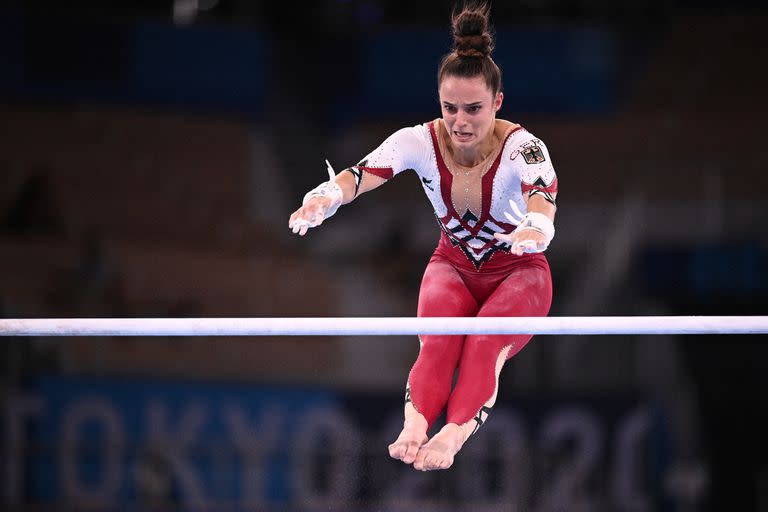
538	222
329	189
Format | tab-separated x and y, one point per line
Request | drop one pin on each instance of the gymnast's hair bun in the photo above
471	34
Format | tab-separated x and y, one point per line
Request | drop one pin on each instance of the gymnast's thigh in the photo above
526	291
443	292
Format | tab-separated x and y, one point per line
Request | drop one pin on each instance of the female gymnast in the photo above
493	188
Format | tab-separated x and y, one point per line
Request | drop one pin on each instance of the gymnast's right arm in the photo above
322	201
397	153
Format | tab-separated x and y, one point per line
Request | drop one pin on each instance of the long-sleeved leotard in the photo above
471	273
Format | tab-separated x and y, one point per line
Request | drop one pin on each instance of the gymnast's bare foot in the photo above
412	437
439	451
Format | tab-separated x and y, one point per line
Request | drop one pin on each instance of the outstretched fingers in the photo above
304	218
523	241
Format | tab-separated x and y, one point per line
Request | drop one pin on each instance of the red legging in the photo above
522	287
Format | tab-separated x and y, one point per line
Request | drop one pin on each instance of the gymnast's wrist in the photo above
329	190
540	223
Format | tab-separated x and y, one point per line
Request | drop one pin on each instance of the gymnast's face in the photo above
469	109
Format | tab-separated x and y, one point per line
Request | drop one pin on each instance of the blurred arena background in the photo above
152	151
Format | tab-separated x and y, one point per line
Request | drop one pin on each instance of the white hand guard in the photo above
534	221
329	189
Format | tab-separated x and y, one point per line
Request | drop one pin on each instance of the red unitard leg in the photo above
443	293
526	291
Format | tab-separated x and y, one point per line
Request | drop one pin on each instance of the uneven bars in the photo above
383	326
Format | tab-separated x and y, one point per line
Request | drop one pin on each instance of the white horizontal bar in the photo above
382	326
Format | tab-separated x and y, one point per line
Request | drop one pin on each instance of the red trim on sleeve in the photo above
381	172
551	189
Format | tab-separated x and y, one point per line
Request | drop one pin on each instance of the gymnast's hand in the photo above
524	241
534	230
310	215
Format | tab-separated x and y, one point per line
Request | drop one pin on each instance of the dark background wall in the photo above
151	153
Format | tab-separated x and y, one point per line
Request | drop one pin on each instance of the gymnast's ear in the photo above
497	101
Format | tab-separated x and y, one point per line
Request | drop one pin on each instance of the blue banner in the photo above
117	443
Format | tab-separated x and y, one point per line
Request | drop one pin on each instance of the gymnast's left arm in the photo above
538	185
536	228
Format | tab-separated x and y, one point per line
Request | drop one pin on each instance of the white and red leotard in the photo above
471	273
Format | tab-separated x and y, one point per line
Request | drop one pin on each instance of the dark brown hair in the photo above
472	47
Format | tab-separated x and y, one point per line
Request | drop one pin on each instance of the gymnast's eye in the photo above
451	109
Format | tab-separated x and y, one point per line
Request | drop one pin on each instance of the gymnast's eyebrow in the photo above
473	104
